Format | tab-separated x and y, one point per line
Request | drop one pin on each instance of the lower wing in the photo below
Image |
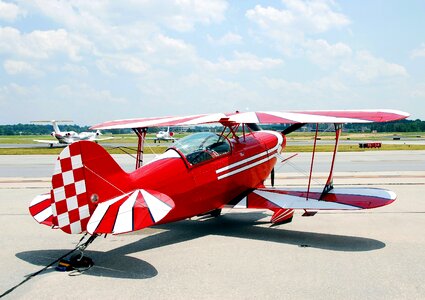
283	202
337	198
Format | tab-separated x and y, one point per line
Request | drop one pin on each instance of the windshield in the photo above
202	146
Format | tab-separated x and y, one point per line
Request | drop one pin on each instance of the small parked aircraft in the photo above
164	136
199	174
69	137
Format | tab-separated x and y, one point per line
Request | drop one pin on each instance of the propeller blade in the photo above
253	126
272	177
292	128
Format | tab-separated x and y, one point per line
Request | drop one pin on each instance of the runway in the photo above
387	141
369	161
372	254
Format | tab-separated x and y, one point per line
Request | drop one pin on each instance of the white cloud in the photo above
14	67
270	17
75	69
14	89
229	38
316	16
184	14
289	27
323	54
9	11
16	96
113	64
309	17
285	85
42	44
326	85
366	68
418	52
83	95
207	91
125	36
243	62
173	44
326	92
165	50
97	15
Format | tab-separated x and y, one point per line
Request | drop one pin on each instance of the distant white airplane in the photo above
164	136
69	137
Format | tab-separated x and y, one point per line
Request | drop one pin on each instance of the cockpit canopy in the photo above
200	147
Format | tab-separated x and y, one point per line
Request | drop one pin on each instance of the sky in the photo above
94	61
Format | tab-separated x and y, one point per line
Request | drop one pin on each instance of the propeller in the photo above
253	126
292	128
287	130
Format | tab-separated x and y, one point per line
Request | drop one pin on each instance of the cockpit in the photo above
200	147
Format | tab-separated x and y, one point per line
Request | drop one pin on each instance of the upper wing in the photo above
263	117
47	141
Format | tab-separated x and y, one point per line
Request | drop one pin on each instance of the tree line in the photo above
396	126
37	129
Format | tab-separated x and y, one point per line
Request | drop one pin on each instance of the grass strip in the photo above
161	149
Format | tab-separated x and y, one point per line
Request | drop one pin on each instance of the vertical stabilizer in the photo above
85	175
56	127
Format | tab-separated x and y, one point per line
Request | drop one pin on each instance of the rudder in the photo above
85	174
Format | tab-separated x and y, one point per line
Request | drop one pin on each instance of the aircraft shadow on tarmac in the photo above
116	263
242	225
106	264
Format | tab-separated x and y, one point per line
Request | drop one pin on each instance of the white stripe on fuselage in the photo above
254	157
247	166
241	162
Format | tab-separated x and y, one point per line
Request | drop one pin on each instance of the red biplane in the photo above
199	174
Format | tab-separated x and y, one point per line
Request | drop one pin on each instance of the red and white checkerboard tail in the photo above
85	175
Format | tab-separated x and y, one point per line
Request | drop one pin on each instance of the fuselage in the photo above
163	135
69	137
197	186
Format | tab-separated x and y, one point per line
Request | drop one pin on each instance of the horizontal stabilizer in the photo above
336	199
130	212
41	209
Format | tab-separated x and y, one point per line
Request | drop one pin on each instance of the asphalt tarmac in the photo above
372	254
404	141
29	166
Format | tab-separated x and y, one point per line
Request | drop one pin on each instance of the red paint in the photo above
90	191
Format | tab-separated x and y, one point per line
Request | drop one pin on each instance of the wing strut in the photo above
329	183
312	160
141	135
